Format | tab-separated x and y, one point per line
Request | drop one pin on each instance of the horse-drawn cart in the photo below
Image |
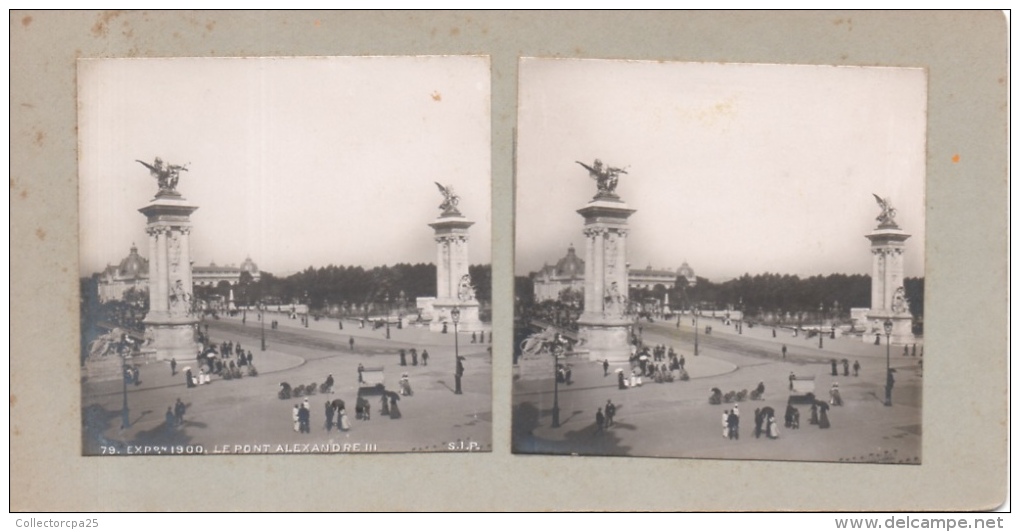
802	390
371	381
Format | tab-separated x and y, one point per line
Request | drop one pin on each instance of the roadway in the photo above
675	419
246	411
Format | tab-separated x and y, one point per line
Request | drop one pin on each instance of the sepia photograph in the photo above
285	255
732	268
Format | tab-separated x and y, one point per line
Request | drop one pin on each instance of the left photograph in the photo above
285	255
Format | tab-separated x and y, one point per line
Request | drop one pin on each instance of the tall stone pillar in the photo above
888	298
171	322
604	326
453	282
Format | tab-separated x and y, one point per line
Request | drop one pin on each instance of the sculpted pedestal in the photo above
604	327
888	299
171	323
453	282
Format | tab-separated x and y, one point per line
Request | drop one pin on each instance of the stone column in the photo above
451	236
442	287
598	282
622	273
888	301
161	280
604	326
170	324
589	267
154	300
186	260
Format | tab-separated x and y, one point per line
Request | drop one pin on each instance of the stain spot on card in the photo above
454	31
956	158
39	138
100	28
40	234
436	96
26	21
14	399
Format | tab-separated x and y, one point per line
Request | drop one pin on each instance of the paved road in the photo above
247	412
675	419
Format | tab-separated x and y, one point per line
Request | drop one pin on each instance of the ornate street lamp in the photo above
458	372
262	321
821	321
556	382
388	311
695	310
125	420
888	371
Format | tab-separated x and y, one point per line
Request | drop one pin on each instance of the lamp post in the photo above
556	383
695	310
458	371
388	310
821	321
402	310
125	420
262	322
888	371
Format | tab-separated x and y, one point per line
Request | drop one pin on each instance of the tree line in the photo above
768	293
352	285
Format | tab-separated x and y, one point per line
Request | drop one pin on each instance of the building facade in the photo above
568	272
133	272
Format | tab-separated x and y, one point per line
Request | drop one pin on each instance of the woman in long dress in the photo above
345	423
394	409
823	417
773	428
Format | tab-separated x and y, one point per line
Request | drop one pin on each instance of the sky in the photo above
295	162
734	168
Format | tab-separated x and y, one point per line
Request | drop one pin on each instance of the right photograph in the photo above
720	261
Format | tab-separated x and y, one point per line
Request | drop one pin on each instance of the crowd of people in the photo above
658	363
224	360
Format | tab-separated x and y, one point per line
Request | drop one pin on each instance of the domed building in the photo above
133	272
687	272
568	272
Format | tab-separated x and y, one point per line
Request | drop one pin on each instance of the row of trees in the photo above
351	285
769	293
